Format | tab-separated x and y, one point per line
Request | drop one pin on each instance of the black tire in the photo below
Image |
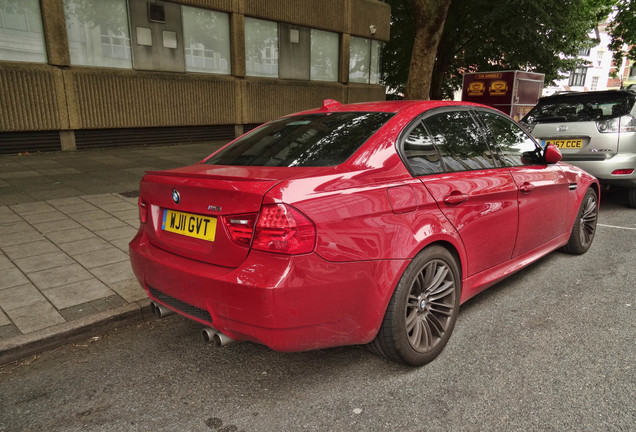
584	227
423	309
631	197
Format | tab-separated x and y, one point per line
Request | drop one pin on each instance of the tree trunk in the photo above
430	16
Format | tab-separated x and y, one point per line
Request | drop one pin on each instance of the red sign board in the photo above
513	92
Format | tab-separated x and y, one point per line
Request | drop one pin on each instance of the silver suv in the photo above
595	131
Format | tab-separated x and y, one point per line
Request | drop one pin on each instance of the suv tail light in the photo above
624	171
626	123
283	229
143	211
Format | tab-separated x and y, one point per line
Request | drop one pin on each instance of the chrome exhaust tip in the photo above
221	339
208	334
160	311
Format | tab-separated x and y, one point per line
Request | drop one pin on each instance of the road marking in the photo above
614	226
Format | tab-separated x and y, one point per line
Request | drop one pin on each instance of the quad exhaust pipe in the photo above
160	311
213	335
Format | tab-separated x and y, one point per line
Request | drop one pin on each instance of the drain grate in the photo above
130	194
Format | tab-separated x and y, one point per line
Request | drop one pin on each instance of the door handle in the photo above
526	188
455	198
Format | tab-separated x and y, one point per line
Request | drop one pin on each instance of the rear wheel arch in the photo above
423	307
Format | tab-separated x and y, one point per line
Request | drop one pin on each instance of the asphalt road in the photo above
551	348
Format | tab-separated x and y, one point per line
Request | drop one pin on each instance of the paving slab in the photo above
35	317
77	293
43	262
30	249
20	296
59	276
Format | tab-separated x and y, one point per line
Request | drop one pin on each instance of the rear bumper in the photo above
289	303
602	169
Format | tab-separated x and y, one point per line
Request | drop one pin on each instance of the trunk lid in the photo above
186	207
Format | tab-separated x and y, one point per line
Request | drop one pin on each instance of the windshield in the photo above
303	141
580	108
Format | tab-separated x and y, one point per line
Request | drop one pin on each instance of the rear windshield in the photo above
580	108
303	141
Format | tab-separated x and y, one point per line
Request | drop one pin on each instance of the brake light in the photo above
143	211
241	227
626	123
624	171
283	229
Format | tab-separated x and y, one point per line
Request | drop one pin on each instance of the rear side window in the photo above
459	141
303	141
421	154
581	108
513	145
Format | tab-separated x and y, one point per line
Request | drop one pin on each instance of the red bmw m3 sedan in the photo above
357	224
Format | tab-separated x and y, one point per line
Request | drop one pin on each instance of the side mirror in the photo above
552	154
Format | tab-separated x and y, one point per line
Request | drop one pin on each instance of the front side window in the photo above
261	48
98	33
459	141
514	146
206	35
21	34
303	141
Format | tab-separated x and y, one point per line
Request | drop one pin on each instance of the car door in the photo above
450	155
543	189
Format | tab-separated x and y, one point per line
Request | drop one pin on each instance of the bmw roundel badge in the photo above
175	196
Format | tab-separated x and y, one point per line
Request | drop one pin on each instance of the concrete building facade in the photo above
84	73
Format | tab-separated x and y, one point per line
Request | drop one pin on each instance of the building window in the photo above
206	35
594	83
364	61
261	48
584	52
21	34
324	55
98	33
577	77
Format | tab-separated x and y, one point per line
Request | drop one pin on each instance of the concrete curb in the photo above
20	347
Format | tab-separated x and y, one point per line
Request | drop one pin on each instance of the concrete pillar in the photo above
237	44
55	32
238	130
67	138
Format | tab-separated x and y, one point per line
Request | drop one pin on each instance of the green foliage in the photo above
623	31
496	35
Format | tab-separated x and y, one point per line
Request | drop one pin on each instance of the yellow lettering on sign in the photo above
488	76
476	88
498	88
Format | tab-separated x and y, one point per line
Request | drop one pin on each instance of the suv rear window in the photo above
303	141
594	106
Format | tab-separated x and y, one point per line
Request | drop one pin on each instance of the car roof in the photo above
389	106
575	95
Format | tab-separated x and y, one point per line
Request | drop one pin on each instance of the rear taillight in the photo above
241	227
283	229
143	211
626	123
624	171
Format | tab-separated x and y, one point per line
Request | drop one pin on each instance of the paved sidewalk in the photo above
65	223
